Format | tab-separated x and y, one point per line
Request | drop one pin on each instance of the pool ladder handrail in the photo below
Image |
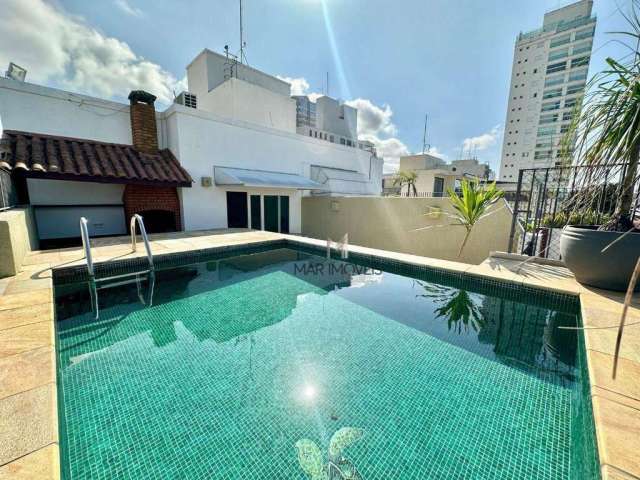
143	232
93	288
86	245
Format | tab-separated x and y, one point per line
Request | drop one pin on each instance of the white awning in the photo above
325	174
341	181
261	178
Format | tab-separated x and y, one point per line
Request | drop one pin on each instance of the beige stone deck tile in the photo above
605	341
34	272
16	300
607	313
19	373
22	286
597	317
617	431
627	381
550	277
26	315
442	264
494	270
170	245
28	422
71	256
27	337
38	257
43	464
615	397
612	473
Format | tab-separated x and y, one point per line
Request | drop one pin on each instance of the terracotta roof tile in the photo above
51	156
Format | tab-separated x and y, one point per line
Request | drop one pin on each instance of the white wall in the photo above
419	226
201	140
239	100
32	108
421	162
334	117
198	138
210	69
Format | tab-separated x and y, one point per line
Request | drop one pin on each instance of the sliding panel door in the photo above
284	214
256	222
237	210
271	216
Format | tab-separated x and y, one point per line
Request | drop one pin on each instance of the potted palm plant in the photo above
605	137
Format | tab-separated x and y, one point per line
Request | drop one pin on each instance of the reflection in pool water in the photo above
240	359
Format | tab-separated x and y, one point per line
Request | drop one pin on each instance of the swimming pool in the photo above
283	364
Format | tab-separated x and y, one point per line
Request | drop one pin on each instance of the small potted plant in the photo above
603	138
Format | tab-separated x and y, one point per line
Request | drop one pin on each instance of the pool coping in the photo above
28	405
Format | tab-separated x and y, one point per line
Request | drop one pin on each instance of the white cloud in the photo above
483	141
300	86
62	49
128	9
372	118
375	124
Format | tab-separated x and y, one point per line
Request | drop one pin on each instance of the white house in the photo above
435	176
241	161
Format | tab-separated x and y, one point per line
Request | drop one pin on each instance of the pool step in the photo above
120	282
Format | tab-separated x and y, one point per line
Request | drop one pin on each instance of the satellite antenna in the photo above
425	146
16	72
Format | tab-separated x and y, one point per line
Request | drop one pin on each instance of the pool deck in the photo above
28	405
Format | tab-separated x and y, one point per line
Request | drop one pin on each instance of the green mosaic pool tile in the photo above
245	370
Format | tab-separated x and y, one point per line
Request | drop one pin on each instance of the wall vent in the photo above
187	99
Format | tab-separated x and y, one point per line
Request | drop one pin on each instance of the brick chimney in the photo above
143	121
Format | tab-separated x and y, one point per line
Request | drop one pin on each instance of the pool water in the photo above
246	367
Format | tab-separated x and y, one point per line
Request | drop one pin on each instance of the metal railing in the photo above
86	245
341	246
132	227
544	203
123	279
391	193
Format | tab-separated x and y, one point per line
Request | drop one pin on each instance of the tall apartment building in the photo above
548	78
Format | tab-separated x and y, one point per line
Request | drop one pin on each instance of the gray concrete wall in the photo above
390	223
17	238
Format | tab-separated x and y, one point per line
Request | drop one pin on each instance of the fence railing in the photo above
416	194
543	204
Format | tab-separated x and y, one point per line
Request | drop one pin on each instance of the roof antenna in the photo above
243	58
425	146
327	84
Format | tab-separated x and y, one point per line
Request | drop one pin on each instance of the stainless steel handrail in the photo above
86	244
84	233
143	233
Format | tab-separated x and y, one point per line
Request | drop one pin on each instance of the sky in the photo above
395	60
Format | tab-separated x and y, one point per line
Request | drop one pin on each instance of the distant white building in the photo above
435	176
548	78
238	160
